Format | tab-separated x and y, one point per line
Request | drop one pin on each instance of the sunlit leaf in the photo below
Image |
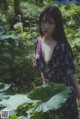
1	30
6	87
14	117
4	37
52	96
14	101
3	96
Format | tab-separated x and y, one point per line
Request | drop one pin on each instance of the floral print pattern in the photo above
61	64
58	69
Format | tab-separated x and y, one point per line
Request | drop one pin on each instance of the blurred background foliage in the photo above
18	31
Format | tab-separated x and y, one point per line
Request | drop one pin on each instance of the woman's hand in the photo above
76	84
78	92
44	80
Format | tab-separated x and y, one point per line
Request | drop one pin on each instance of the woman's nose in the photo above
46	25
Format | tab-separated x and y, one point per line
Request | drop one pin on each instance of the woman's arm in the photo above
70	68
76	84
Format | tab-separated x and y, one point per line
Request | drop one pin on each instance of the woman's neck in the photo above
49	40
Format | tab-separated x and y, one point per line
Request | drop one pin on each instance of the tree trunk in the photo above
4	5
17	10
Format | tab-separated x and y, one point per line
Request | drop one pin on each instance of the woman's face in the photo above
47	26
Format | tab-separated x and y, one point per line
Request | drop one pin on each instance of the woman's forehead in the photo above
47	17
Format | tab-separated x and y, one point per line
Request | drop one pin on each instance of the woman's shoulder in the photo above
65	45
36	40
39	39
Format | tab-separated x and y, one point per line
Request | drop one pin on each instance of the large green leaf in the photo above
13	102
5	88
1	30
1	85
1	106
3	96
3	37
14	117
52	96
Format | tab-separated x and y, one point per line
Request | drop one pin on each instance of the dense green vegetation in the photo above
18	31
46	101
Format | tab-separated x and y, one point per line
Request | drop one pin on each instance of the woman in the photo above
54	58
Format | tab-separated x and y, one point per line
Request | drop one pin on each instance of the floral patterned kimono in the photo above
58	70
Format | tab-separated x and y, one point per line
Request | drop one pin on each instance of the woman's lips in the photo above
46	31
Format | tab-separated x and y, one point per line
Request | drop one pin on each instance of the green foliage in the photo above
42	105
3	96
1	85
1	30
47	100
16	57
76	50
11	102
14	117
71	25
3	89
52	96
21	58
16	51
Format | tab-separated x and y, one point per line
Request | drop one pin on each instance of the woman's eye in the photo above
51	23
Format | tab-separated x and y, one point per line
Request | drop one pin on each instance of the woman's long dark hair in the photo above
54	13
